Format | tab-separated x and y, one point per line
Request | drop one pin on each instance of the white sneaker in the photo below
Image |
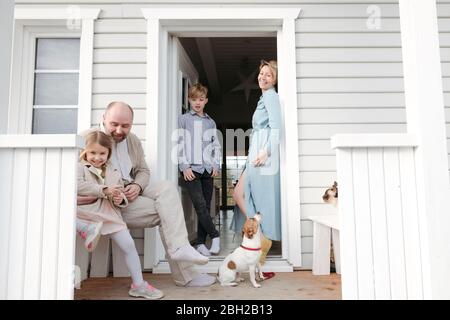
188	253
203	250
145	291
202	280
215	246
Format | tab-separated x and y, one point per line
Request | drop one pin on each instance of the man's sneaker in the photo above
188	253
90	233
145	291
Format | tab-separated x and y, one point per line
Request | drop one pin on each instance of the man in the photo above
148	207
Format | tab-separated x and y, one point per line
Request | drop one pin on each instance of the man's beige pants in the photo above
160	205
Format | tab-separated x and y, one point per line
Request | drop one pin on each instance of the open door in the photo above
181	74
163	78
187	76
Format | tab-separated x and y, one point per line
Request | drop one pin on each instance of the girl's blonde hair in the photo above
197	90
272	64
97	137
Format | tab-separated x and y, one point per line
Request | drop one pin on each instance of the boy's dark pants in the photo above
200	190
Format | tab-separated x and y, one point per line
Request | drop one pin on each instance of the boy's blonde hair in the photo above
97	137
197	90
272	64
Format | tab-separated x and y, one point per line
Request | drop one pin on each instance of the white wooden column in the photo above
86	66
426	120
6	29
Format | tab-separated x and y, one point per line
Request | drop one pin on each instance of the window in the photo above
51	78
56	78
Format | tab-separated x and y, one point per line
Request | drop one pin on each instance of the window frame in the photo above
30	24
39	34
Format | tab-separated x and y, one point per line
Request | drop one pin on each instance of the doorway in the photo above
228	67
167	24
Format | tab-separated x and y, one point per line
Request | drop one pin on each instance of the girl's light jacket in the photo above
90	184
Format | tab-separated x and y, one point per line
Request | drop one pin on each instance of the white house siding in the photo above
119	73
349	77
349	80
444	41
119	65
6	27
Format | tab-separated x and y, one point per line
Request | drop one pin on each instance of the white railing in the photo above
383	236
37	216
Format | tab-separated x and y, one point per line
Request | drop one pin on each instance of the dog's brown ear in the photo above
335	184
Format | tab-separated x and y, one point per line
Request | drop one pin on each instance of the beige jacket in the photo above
140	171
90	184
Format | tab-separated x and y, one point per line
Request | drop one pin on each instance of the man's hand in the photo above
132	191
215	173
188	174
82	200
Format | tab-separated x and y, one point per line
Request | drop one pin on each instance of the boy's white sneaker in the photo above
145	290
215	246
203	250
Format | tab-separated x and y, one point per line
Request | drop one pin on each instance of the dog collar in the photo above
251	249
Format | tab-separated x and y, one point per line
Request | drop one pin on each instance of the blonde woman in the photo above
258	189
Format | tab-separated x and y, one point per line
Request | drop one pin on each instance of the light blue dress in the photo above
262	184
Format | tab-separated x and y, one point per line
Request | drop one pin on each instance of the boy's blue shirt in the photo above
199	133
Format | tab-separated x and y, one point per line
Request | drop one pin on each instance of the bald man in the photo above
148	207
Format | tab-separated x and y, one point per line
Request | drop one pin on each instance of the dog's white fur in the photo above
243	260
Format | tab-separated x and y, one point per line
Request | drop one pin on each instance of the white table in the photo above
326	229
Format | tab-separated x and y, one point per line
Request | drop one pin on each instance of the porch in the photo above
298	285
37	249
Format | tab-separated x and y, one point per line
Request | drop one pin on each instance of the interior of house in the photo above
228	67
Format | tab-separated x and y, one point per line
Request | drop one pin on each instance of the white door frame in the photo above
162	23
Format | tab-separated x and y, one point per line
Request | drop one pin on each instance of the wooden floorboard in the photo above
296	285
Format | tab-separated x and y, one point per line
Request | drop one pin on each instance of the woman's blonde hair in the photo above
272	64
96	137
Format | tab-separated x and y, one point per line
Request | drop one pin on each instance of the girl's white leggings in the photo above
126	243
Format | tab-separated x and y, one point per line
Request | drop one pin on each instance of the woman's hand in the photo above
188	174
261	158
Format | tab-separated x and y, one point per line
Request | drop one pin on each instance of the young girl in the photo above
97	178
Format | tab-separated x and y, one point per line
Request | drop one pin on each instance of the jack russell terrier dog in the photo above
246	257
331	195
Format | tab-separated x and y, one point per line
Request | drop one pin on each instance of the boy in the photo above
199	161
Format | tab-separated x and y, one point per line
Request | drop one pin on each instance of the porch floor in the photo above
293	286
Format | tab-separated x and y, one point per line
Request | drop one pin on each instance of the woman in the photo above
258	189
